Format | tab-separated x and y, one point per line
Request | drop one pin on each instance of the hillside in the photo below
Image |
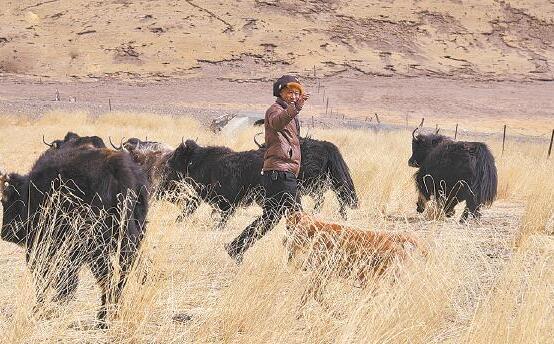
247	40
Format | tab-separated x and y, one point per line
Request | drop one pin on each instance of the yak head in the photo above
181	158
132	144
135	144
74	140
11	189
422	145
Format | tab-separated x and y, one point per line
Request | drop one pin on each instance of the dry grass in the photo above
474	287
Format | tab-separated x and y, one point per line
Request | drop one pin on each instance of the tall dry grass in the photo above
475	286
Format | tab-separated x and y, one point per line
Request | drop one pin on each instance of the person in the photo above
281	163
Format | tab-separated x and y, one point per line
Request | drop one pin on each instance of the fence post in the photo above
456	132
377	118
313	125
503	139
326	105
110	104
406	121
550	147
314	71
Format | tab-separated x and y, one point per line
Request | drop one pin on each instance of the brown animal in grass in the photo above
334	249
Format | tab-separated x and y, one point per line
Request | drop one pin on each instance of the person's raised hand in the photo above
300	102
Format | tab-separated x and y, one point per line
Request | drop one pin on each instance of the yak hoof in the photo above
237	257
102	325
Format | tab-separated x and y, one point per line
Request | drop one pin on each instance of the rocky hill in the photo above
255	39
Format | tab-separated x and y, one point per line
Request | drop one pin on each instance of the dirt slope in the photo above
237	40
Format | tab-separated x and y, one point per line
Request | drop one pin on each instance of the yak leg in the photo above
67	282
67	278
449	207
102	270
342	210
421	202
319	199
472	208
189	208
225	215
129	247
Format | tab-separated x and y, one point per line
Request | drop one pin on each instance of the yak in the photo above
322	167
453	172
135	144
220	176
74	140
152	156
104	187
226	179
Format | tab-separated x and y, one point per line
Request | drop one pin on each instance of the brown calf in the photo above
344	251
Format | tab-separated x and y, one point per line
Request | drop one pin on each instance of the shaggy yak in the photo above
226	179
322	167
152	157
220	176
453	172
74	140
41	212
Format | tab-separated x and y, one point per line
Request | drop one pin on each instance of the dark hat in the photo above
286	80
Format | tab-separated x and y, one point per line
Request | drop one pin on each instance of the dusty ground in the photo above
477	106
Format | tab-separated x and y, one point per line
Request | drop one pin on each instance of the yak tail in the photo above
341	179
486	180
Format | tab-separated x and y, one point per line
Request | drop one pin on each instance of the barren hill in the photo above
238	40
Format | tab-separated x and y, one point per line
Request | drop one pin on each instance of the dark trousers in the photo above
280	196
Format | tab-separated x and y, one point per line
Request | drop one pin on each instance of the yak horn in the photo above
436	132
413	132
120	145
255	141
46	143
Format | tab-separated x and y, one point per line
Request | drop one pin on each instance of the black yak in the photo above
104	187
220	176
226	179
322	167
453	172
72	139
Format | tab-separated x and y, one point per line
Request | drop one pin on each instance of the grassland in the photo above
488	281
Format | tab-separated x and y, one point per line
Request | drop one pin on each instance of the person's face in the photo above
290	95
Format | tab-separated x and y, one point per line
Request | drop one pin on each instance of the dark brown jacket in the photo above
281	138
